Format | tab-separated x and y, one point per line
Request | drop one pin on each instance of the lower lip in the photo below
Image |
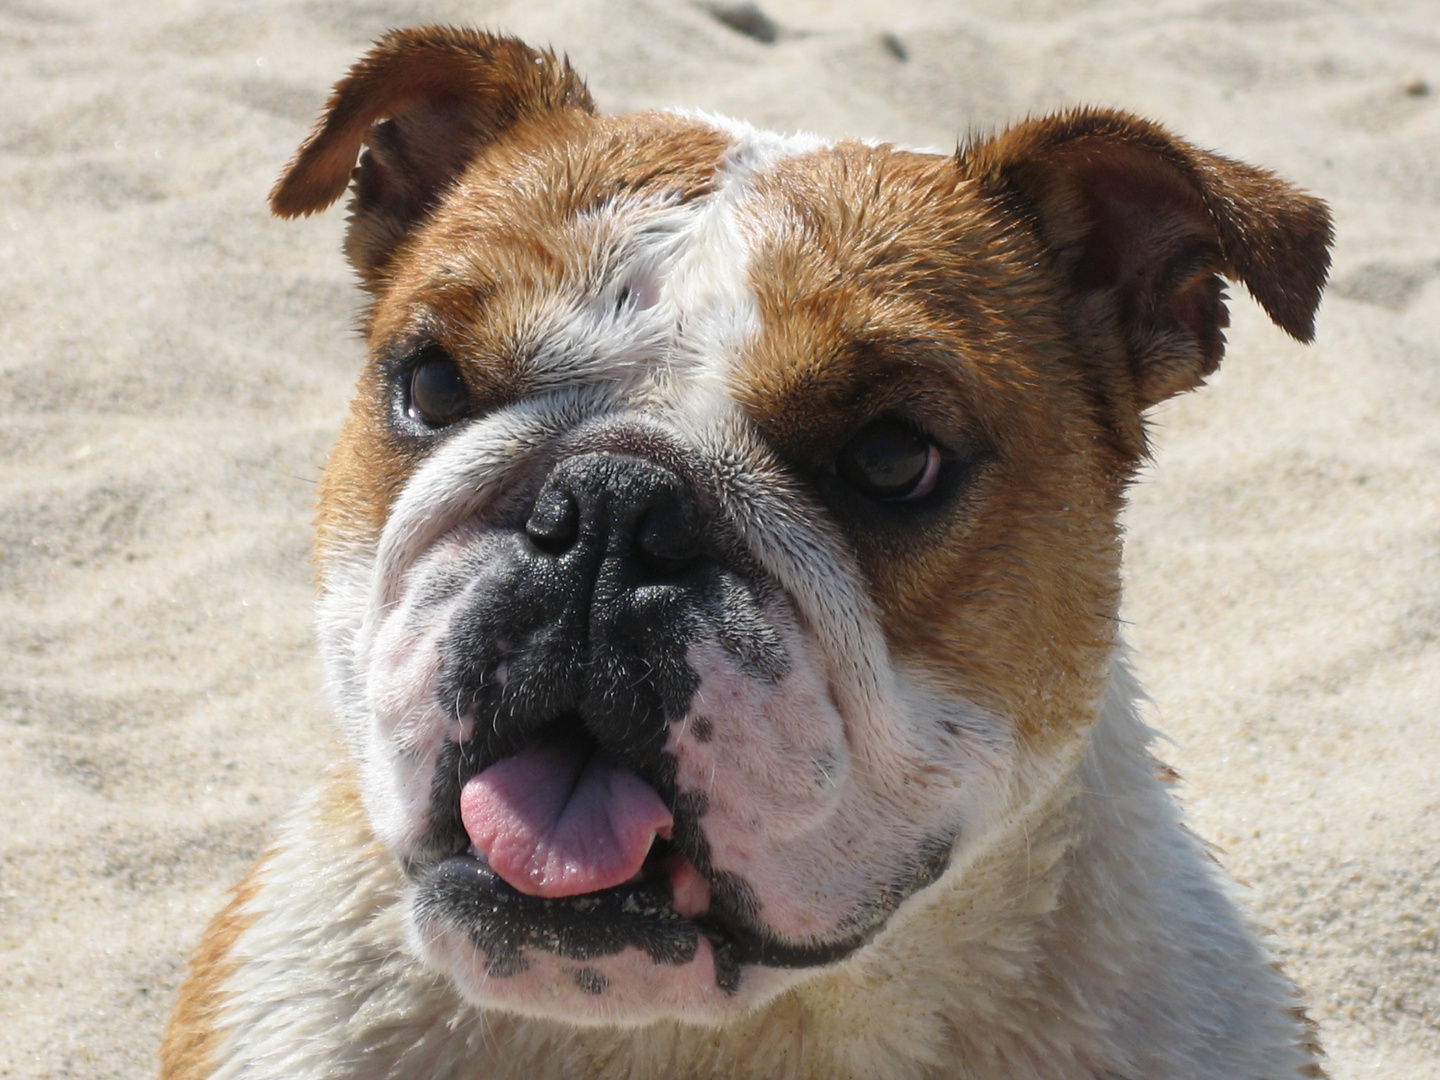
632	927
678	908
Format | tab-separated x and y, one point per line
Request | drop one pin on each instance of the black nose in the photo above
589	609
638	520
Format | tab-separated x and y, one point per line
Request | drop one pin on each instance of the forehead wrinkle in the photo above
578	314
695	253
548	229
556	266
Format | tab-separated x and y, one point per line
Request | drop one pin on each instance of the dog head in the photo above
722	544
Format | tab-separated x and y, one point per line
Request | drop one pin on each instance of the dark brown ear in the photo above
424	102
1139	224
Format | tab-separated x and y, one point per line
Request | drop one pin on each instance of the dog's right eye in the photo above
436	394
890	461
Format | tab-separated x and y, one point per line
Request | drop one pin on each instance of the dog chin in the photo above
693	981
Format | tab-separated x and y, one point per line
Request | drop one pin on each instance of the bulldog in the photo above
720	574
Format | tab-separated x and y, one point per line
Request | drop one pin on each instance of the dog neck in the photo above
1083	911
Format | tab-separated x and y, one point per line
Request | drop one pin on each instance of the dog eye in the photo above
890	461
437	395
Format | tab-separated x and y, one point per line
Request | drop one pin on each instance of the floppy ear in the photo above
1139	224
424	102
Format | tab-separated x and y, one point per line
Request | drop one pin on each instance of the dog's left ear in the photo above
1139	224
421	104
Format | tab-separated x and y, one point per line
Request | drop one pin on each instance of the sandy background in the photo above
173	364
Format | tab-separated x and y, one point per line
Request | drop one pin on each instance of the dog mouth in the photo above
556	849
559	820
564	851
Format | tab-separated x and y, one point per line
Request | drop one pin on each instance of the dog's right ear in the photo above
1140	226
422	102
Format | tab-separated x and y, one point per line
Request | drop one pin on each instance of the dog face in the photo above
722	542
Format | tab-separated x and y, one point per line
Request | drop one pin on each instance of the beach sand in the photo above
174	363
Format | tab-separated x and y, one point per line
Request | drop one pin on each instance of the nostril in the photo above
554	522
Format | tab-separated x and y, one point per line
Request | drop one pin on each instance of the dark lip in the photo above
463	892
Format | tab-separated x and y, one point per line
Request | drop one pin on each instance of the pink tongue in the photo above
557	820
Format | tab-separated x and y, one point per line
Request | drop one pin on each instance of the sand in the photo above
173	364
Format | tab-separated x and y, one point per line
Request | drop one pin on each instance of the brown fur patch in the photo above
194	1033
887	287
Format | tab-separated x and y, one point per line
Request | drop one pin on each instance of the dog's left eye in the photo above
890	461
437	395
